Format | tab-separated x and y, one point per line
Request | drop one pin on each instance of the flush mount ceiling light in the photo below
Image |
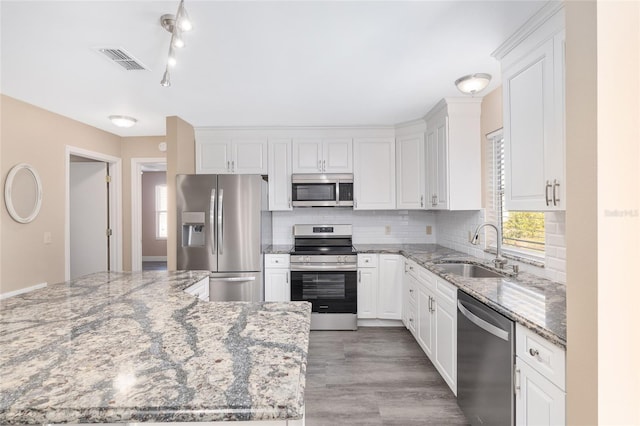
123	120
176	25
473	83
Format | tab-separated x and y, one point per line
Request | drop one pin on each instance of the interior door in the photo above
88	217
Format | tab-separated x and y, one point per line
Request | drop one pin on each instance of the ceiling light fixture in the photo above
176	25
473	83
123	120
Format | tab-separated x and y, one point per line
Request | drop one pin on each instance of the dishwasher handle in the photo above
490	328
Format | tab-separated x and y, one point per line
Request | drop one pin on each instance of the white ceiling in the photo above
297	63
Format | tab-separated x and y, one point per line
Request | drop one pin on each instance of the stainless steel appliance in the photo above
322	190
324	272
485	363
223	224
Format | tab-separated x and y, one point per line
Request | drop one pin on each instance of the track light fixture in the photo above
176	25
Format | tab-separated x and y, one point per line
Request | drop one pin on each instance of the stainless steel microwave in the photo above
322	190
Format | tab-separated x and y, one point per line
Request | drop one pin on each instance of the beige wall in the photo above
134	147
38	137
603	226
490	121
151	246
180	159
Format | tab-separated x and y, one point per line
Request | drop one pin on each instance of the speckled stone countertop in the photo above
134	347
278	249
531	301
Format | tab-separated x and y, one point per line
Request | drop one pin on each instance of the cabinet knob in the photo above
534	352
410	290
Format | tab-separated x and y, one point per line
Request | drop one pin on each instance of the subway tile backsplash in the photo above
369	227
448	228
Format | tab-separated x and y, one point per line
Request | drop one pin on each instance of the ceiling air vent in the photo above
122	58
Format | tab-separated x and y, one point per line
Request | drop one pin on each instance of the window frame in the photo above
159	211
495	212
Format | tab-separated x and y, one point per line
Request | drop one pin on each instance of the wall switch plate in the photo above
47	237
387	230
429	230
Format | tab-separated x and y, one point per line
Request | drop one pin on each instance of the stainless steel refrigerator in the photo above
223	224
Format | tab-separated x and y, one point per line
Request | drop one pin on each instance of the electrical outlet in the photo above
387	230
47	237
429	230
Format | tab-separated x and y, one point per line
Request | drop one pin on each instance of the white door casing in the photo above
115	205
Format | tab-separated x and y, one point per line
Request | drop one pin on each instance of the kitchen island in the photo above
134	347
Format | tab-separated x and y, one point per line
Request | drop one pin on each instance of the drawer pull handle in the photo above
534	352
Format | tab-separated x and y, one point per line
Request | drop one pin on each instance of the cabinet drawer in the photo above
542	355
368	260
412	290
412	317
446	292
276	261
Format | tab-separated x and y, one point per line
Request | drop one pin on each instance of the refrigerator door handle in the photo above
220	221
212	235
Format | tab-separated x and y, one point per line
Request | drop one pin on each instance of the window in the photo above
522	231
161	212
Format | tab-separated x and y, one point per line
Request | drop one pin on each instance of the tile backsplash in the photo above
369	227
448	228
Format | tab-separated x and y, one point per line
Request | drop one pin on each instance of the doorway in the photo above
148	214
93	213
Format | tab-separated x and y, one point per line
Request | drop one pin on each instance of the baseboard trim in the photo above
154	258
379	323
22	291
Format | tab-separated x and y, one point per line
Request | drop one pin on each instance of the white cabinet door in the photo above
276	285
323	155
437	166
213	156
533	98
410	172
390	286
446	333
426	324
279	174
367	293
538	401
374	174
249	156
337	155
307	156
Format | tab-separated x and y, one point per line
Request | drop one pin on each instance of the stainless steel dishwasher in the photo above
485	363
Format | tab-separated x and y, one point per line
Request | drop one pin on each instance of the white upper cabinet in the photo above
410	172
323	155
220	155
453	155
533	109
279	174
374	174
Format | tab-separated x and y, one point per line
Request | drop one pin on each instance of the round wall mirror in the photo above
23	193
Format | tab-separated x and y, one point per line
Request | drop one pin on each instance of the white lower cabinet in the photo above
277	287
380	286
539	381
436	325
538	401
200	289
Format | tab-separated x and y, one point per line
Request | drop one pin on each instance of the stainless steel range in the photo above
324	272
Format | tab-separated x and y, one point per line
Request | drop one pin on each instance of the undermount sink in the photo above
469	270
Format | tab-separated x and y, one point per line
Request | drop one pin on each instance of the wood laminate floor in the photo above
375	376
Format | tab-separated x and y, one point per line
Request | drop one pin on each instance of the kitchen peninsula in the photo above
134	347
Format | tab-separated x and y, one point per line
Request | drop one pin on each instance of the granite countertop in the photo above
134	347
534	302
278	249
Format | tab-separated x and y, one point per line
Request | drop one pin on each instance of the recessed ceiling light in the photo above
122	120
473	83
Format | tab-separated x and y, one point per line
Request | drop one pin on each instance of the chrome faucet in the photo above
499	261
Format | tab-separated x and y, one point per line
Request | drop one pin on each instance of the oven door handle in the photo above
344	267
